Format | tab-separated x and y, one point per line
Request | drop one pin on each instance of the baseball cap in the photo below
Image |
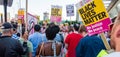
6	25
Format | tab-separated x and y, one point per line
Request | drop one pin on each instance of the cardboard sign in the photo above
95	17
70	10
56	13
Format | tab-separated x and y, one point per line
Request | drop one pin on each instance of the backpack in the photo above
47	49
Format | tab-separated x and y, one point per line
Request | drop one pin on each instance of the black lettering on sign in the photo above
96	17
88	14
100	16
88	21
55	12
93	4
103	14
81	11
93	12
87	8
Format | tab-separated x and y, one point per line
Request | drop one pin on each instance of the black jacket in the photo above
10	47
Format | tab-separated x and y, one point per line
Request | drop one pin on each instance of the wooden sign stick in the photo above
105	41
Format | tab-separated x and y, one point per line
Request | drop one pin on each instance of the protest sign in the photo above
56	13
32	20
70	10
21	13
95	17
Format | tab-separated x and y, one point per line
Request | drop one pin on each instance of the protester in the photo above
24	41
83	31
9	47
59	36
50	48
43	28
15	36
36	38
72	40
89	46
115	38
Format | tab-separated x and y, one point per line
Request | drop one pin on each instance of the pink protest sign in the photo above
98	27
55	19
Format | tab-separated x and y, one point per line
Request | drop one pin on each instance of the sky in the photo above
38	7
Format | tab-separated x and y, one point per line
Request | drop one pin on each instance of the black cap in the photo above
7	25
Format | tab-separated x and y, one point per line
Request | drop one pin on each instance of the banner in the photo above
32	20
95	17
70	10
56	13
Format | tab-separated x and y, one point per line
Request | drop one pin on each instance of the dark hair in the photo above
23	30
51	32
70	29
18	34
76	27
51	24
37	27
113	19
15	26
57	28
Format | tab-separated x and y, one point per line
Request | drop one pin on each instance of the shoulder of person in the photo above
114	54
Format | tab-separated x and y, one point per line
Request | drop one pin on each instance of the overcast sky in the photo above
38	7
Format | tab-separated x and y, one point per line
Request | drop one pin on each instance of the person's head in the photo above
7	29
76	27
24	33
115	33
70	29
18	34
51	24
82	30
51	32
37	28
56	27
14	28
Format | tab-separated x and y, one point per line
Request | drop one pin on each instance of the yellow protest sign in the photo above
20	12
56	12
93	12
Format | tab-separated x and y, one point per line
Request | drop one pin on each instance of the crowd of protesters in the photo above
56	41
